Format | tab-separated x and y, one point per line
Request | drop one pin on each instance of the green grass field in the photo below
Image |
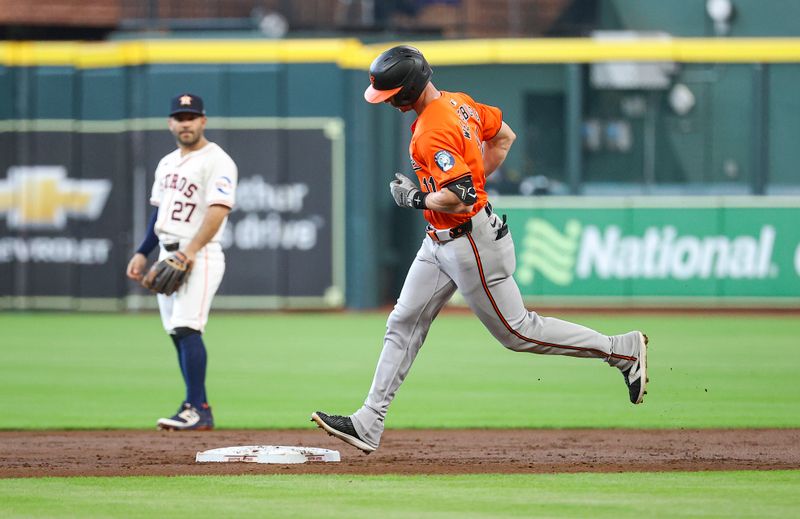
698	494
271	371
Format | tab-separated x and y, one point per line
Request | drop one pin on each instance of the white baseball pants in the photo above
481	267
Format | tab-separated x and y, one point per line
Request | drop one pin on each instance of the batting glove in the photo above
405	193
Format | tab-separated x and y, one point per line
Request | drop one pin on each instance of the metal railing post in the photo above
573	115
760	140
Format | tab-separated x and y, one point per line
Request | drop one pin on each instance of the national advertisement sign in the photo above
730	249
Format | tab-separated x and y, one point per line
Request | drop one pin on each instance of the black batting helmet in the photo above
401	72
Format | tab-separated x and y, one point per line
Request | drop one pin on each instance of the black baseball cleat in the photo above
188	418
636	376
341	427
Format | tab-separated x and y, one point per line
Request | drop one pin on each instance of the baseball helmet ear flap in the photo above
400	73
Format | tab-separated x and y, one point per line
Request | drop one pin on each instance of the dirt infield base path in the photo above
159	453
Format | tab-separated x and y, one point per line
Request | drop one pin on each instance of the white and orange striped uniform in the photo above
183	190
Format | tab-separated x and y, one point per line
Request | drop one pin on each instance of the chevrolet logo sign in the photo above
42	197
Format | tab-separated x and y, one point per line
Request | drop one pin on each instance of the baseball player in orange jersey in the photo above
456	142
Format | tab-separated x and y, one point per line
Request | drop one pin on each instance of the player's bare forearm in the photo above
445	201
496	149
211	223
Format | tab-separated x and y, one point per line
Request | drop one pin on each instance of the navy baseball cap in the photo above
187	103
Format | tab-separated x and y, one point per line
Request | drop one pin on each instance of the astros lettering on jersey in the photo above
185	186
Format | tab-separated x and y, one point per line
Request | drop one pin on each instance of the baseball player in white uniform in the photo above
456	142
193	192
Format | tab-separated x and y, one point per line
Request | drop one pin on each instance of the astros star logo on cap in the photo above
186	100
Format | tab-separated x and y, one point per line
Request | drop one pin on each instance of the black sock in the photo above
193	359
177	342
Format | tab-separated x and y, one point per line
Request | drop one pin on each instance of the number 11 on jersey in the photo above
429	184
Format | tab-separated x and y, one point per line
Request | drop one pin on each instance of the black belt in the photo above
459	230
172	247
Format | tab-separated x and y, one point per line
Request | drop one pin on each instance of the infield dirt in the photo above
161	453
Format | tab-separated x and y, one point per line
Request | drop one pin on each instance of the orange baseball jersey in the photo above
447	145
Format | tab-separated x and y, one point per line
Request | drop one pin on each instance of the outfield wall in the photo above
81	122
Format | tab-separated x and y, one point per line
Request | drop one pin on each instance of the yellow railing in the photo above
350	53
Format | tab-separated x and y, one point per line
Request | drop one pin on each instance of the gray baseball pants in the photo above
481	267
